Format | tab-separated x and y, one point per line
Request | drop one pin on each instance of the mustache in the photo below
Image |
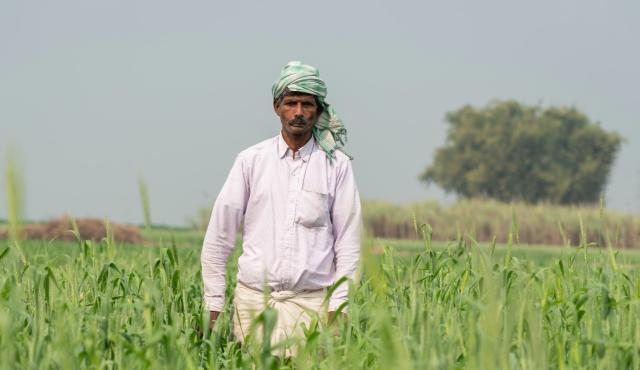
298	121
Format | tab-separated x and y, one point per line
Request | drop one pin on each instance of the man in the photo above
301	209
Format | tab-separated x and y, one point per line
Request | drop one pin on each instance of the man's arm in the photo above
220	237
347	223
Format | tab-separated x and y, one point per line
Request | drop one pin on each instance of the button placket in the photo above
292	195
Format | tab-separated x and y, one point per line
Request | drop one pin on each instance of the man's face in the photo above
298	113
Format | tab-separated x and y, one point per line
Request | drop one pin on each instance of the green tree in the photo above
509	151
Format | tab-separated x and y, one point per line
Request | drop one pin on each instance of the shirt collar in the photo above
303	152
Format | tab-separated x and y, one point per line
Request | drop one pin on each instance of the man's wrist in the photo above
213	317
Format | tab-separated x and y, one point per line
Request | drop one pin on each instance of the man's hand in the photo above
333	321
333	317
213	316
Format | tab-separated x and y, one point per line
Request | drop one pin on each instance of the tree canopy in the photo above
513	152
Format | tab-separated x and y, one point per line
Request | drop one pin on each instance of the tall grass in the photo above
144	201
104	306
14	196
100	305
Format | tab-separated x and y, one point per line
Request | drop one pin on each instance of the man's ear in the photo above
276	105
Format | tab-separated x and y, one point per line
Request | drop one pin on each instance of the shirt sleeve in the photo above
347	224
220	237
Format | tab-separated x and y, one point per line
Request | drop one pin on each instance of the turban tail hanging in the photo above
329	131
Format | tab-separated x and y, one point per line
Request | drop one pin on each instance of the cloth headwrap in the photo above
329	131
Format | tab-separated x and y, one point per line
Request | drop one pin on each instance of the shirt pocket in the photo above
312	209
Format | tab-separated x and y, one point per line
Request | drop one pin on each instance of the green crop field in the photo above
417	305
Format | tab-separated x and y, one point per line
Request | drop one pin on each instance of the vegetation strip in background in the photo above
484	220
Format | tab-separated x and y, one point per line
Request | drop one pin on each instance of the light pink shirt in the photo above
302	222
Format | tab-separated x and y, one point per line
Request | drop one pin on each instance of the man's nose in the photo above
298	110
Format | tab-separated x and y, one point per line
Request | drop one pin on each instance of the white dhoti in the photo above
293	309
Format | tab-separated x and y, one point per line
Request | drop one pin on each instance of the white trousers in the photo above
293	310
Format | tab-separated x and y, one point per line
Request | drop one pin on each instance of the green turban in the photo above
329	131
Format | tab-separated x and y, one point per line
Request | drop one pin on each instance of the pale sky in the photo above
95	93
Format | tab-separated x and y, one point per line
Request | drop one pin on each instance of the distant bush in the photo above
88	229
484	220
